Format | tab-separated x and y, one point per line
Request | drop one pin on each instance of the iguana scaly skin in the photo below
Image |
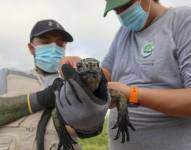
90	72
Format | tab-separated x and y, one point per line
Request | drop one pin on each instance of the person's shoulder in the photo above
16	71
3	71
183	11
122	33
123	30
180	18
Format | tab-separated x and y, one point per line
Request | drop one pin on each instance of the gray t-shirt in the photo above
158	57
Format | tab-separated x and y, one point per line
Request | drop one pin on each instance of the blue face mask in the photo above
134	17
47	57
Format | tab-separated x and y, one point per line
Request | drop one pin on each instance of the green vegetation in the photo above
99	142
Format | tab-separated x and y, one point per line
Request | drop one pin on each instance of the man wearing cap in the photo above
153	48
48	41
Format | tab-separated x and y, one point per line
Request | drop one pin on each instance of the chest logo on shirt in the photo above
147	49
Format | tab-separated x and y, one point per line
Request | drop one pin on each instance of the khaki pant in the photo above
21	134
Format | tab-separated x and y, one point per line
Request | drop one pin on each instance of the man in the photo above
153	50
48	41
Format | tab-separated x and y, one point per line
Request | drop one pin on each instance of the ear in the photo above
31	48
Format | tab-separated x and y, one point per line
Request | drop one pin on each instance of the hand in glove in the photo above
46	97
86	102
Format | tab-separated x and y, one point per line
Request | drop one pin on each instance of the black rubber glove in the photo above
46	98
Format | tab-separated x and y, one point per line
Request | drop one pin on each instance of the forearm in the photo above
13	108
174	102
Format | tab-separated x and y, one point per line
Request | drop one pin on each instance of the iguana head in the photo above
90	72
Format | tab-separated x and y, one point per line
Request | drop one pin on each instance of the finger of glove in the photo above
57	84
68	71
71	73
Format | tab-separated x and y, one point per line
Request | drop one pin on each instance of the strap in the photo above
29	104
133	98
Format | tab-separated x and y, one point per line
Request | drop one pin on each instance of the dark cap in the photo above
44	26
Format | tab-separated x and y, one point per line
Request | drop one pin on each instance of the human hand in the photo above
70	60
71	131
46	97
121	87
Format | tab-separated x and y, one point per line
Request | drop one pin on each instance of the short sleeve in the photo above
183	42
109	59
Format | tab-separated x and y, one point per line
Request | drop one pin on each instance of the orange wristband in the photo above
133	97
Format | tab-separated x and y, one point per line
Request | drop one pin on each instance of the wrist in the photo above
46	97
133	96
33	104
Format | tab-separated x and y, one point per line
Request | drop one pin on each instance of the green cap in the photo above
111	4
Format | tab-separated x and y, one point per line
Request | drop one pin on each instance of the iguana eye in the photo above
94	76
